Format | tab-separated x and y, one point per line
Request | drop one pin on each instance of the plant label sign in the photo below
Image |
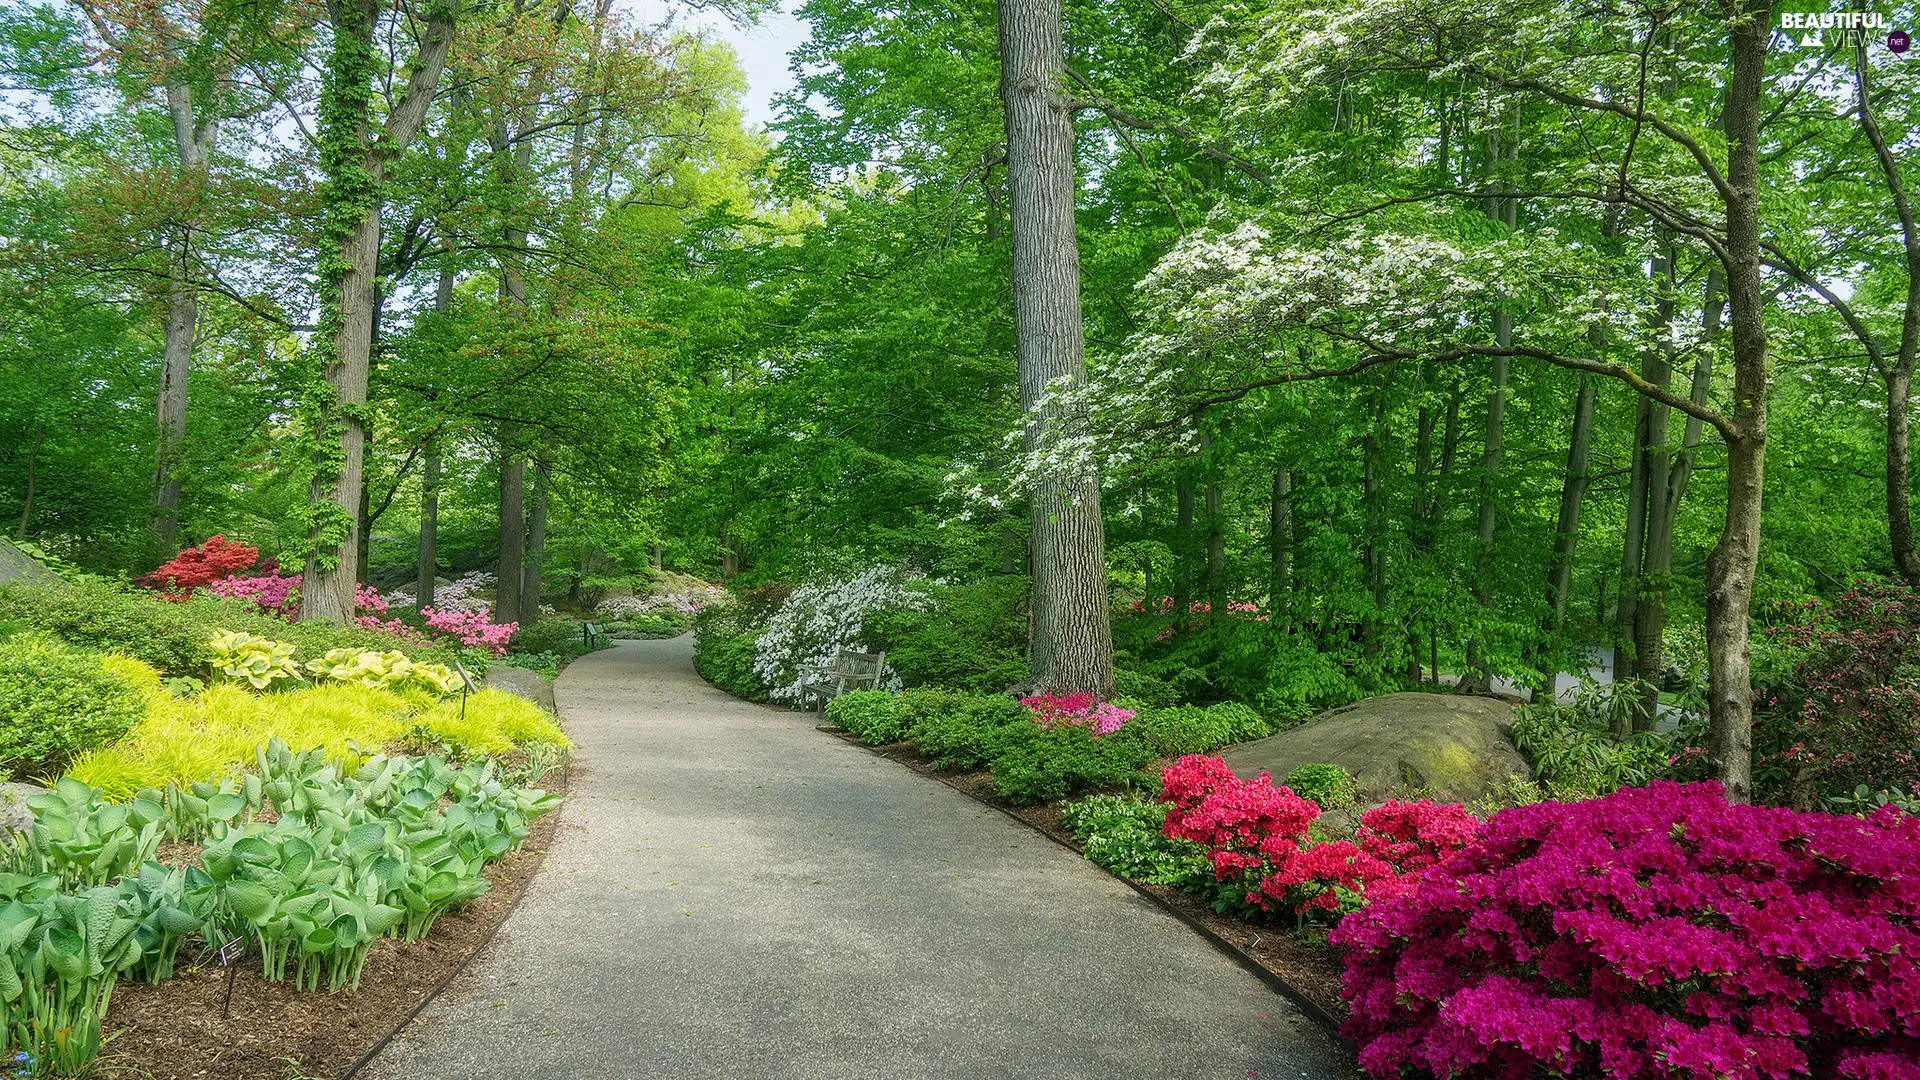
231	951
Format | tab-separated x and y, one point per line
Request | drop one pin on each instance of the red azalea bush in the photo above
196	567
1657	932
1849	711
1256	836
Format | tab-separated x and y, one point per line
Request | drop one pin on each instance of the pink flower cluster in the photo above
475	628
1657	932
269	594
1077	710
1256	836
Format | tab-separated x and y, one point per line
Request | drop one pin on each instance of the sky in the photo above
762	48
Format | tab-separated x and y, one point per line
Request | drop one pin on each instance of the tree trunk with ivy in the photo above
1072	639
354	158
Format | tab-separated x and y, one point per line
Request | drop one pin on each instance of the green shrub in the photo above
646	627
558	636
960	731
877	716
973	637
1149	690
1036	764
727	662
545	663
173	637
55	702
1121	833
1326	784
1190	729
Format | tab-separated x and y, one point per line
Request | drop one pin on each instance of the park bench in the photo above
595	635
849	670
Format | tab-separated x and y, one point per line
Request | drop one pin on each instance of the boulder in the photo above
17	565
531	685
14	815
1448	747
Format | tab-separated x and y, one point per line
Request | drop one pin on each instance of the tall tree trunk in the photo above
1182	548
363	525
1374	551
1072	638
355	163
193	142
429	557
1478	676
1566	530
33	474
1280	548
1216	548
536	545
1656	563
513	530
1736	558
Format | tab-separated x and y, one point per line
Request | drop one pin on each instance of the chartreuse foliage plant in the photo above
386	670
56	702
1657	932
213	735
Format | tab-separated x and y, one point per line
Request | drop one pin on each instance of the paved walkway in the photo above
733	894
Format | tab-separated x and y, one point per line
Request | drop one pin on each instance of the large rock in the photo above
1448	747
527	683
17	565
14	815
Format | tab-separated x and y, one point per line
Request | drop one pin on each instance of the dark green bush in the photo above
727	662
1190	729
877	716
1328	785
1121	833
1149	690
1036	764
646	627
974	637
172	637
559	636
960	731
57	701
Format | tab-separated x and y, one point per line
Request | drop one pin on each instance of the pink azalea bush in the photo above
471	628
1657	932
1077	710
1257	839
269	594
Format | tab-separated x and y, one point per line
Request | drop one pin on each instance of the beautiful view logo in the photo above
1810	29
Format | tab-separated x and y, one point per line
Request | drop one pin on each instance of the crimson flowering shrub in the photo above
195	567
1657	932
1849	713
1258	843
269	594
1077	710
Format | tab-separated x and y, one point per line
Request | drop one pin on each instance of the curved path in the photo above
733	894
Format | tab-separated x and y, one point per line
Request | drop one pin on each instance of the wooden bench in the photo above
821	683
595	635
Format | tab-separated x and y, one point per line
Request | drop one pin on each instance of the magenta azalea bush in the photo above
472	628
1077	710
1657	932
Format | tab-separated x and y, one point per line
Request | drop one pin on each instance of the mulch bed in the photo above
175	1031
1303	965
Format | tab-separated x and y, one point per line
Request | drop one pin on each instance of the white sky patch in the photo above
763	48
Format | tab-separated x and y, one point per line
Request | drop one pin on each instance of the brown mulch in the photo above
175	1031
1303	961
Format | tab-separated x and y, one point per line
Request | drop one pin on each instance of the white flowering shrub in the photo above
817	621
467	593
682	601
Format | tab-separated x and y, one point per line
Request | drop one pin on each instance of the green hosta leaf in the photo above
250	901
225	807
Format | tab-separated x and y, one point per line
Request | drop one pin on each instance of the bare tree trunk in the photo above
429	557
1478	676
1280	546
193	142
33	468
513	531
1216	551
1656	562
1735	559
1374	552
1072	638
1182	549
536	545
1566	530
363	525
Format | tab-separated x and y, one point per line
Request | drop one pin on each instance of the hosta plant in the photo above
386	670
257	661
84	840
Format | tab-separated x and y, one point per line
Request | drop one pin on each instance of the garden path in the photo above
734	894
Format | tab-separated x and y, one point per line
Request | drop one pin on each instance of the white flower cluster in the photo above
463	594
687	600
819	620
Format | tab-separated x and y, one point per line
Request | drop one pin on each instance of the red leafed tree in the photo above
218	558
